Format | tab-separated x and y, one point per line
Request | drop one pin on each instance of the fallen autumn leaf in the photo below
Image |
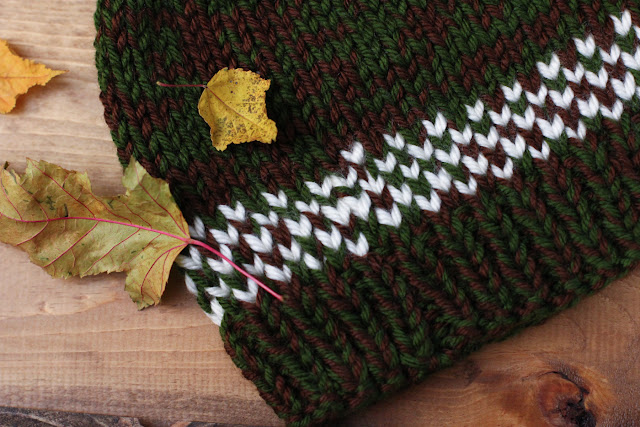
52	214
17	75
233	104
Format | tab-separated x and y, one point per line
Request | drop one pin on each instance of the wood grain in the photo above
81	345
38	418
580	368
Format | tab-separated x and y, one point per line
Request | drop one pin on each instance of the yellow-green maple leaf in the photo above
52	214
233	104
17	75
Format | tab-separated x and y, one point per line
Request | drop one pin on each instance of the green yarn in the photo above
445	174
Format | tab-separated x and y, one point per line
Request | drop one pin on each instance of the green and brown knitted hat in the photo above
445	174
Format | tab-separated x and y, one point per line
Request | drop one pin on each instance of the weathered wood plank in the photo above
580	368
35	418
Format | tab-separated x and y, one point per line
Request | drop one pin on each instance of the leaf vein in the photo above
109	251
63	189
72	246
165	253
235	111
157	203
4	190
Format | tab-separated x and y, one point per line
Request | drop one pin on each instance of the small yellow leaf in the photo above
233	104
52	214
17	75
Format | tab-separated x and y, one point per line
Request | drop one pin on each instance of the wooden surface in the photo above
38	418
81	345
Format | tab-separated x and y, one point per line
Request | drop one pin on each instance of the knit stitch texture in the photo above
445	174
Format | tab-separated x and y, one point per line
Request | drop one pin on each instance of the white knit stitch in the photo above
562	100
598	80
624	89
580	133
346	207
612	56
294	253
278	201
257	268
526	121
392	217
190	263
355	155
551	130
272	219
622	25
477	166
512	94
300	228
490	140
280	274
613	113
542	154
574	76
501	119
191	285
237	214
436	128
404	195
332	182
539	98
312	207
432	204
440	181
476	112
550	71
220	291
586	47
425	162
461	138
395	142
412	172
590	107
469	188
231	237
217	312
388	165
249	295
423	153
514	149
314	264
631	61
219	265
197	230
375	185
361	248
505	172
331	240
262	244
452	157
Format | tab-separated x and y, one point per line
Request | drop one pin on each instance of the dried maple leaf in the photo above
17	75
51	213
233	104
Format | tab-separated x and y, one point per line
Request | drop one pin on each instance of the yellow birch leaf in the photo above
52	214
17	75
233	104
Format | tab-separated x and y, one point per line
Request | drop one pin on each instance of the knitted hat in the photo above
445	174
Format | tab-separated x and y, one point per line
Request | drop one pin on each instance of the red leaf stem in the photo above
186	240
